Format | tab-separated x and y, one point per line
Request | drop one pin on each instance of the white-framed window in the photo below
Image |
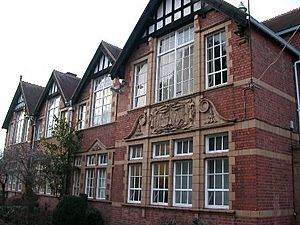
81	116
89	182
217	143
52	113
76	182
91	160
216	59
159	188
184	147
175	64
10	137
25	129
102	100
136	152
53	89
48	188
77	161
19	127
102	159
140	85
39	129
160	150
183	177
135	183
101	183
217	183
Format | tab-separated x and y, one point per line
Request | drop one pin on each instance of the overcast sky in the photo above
39	36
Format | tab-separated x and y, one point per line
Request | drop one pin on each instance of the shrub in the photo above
93	217
70	211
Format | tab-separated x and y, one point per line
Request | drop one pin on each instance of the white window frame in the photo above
165	177
137	85
89	182
19	127
137	168
176	48
189	177
101	184
39	129
214	206
102	159
207	61
91	160
164	154
77	161
53	89
76	182
81	116
189	146
136	152
102	86
52	112
215	136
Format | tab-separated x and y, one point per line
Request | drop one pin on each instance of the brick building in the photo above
192	119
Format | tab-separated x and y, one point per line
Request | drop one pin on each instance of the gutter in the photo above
271	33
286	31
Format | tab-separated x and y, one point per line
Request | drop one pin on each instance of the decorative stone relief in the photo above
139	127
209	114
97	146
172	117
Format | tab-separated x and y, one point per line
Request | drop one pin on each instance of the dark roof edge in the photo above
271	33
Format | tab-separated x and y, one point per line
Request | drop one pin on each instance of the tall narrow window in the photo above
20	118
216	59
102	99
140	85
76	182
160	174
101	183
89	182
175	64
217	183
135	183
183	183
81	116
39	129
52	113
25	129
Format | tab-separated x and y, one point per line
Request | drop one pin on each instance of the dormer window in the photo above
102	99
53	89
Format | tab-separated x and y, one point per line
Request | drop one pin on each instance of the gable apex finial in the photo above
21	77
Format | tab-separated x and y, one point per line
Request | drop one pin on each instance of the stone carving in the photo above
209	114
97	146
172	117
140	123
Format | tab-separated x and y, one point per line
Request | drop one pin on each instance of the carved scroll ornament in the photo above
172	117
209	114
138	129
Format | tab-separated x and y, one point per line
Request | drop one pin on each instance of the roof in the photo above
224	7
31	94
284	21
110	51
66	82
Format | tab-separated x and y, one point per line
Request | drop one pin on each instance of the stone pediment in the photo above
97	146
171	117
209	116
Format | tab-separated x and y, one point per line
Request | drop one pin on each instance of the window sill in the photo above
223	86
97	126
207	210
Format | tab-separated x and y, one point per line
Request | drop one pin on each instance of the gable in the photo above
103	63
170	11
20	103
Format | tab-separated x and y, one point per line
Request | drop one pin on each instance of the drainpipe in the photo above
297	91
